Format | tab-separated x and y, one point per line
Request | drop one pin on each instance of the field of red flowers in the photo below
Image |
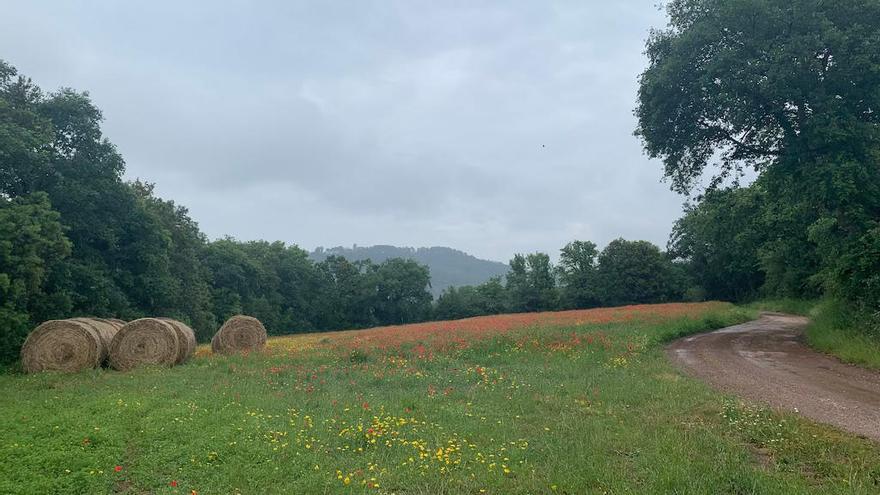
438	335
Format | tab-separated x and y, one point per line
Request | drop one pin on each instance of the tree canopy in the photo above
33	250
577	274
633	272
792	90
760	83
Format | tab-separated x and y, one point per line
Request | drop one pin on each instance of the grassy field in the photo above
573	402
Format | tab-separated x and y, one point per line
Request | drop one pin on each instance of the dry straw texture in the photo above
186	339
239	334
147	341
68	345
107	329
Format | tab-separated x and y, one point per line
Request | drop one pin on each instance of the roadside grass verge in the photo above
835	330
566	409
802	307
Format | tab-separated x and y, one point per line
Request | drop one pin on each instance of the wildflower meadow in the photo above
567	402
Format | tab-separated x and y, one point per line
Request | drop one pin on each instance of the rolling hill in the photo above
449	267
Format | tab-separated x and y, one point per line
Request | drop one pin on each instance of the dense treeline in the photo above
790	89
449	267
625	272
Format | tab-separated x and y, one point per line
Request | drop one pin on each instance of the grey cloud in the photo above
490	127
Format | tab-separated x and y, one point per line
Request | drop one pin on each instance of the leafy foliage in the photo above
632	272
625	272
485	299
32	252
348	293
402	294
720	238
531	284
577	274
790	89
755	81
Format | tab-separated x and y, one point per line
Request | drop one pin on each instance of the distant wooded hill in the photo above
449	267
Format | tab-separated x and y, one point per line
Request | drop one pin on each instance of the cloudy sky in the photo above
490	127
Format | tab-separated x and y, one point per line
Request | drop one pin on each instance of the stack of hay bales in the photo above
69	345
239	334
85	343
151	341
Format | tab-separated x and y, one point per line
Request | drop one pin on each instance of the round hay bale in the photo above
66	345
116	321
147	341
106	331
186	337
239	334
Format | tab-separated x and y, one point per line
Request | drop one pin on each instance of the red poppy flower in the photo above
173	482
117	468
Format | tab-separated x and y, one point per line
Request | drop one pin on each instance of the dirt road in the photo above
766	360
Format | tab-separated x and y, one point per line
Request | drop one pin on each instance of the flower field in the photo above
460	334
567	402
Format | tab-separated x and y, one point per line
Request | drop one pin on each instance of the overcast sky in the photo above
493	128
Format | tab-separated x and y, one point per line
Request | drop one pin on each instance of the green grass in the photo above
835	330
588	409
